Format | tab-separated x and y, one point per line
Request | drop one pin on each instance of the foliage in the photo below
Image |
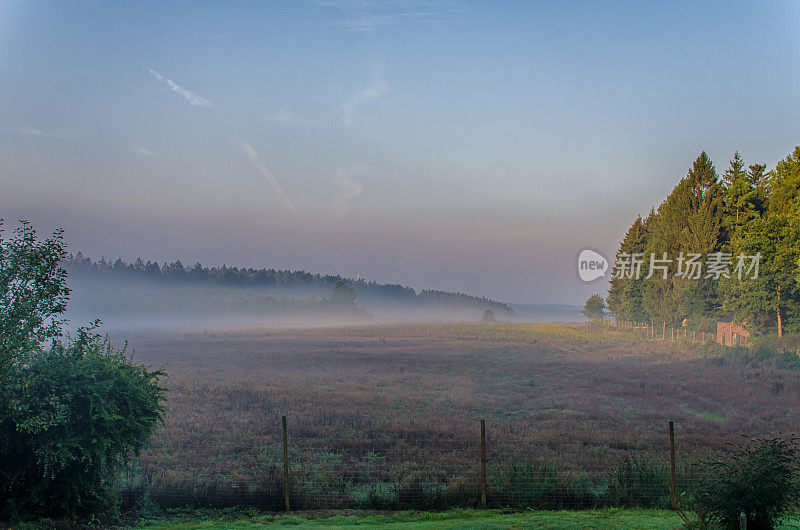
77	413
595	308
343	294
759	478
744	211
488	316
33	291
625	294
72	411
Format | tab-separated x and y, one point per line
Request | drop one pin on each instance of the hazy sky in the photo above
472	146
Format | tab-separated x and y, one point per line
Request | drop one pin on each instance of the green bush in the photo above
759	478
72	411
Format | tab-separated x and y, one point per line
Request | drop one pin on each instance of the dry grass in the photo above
391	412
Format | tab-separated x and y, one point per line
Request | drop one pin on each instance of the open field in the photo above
388	416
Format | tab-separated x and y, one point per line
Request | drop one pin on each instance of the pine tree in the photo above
625	294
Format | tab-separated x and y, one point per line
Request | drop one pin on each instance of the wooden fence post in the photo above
664	336
674	482
285	465
483	463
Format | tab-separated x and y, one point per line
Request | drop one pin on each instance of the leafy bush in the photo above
759	478
72	411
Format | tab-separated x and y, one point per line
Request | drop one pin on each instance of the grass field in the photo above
611	518
387	417
463	519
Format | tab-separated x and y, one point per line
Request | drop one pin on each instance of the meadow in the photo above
387	416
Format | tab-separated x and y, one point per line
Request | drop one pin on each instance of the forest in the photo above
268	280
745	221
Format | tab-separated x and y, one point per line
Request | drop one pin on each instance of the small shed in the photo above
730	334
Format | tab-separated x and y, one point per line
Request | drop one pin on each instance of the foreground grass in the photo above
463	519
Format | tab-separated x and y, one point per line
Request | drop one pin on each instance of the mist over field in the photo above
142	304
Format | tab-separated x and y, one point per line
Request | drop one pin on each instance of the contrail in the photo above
259	165
371	93
189	96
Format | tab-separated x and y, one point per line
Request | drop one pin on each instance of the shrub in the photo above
72	411
77	412
759	478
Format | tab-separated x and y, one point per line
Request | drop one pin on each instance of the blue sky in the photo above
472	146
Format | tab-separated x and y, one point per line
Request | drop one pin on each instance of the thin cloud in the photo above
350	187
190	97
57	134
259	165
369	94
145	152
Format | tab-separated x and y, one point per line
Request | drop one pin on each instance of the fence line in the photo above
648	329
481	471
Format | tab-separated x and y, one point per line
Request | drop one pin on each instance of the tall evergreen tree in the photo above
625	294
688	222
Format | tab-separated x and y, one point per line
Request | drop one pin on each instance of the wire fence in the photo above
368	465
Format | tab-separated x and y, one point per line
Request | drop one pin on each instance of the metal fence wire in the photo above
372	465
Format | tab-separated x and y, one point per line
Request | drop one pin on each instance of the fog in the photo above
125	304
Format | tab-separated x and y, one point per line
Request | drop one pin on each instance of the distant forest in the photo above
270	279
743	213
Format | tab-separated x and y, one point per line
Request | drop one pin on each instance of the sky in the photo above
467	146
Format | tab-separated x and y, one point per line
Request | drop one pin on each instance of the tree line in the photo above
745	217
270	278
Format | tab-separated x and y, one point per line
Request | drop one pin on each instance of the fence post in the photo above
285	465
674	482
483	463
664	337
